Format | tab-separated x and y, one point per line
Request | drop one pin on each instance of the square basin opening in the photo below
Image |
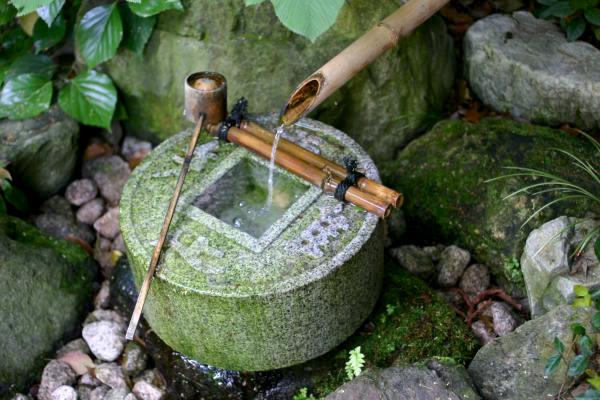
239	197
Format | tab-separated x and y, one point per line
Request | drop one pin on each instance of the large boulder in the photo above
443	175
45	287
525	66
263	61
42	151
512	367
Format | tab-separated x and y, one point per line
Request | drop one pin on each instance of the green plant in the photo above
512	271
32	61
303	395
564	190
574	15
309	18
10	194
355	363
577	355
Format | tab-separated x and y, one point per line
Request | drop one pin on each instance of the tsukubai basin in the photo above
242	290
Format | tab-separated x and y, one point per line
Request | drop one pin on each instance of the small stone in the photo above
64	393
504	320
482	332
118	244
134	359
110	173
19	396
74	345
130	396
81	191
453	262
108	224
56	374
89	380
105	338
117	394
90	211
105	315
414	260
434	252
135	149
152	376
102	299
57	219
112	376
475	279
99	393
57	205
146	391
84	392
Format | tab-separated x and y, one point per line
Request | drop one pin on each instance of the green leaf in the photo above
558	9
7	12
581	290
31	64
552	364
15	197
558	345
583	301
597	248
252	2
45	37
26	96
98	34
137	30
585	345
592	15
50	12
148	8
582	4
90	98
309	18
578	365
578	329
596	321
590	394
28	6
355	363
575	29
595	382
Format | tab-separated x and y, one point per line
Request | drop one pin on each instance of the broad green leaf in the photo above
14	197
7	12
595	294
26	96
31	64
578	365
45	37
581	290
583	301
552	364
50	12
90	98
309	18
575	29
582	4
98	34
558	9
577	329
252	2
28	6
136	30
585	345
595	382
558	345
590	394
593	15
148	8
596	320
597	248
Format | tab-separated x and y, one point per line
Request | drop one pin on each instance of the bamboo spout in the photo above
320	85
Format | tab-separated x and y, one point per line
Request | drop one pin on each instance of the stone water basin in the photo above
244	289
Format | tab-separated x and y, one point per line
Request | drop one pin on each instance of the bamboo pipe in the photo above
365	184
320	85
304	170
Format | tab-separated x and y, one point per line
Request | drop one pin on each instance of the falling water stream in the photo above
278	132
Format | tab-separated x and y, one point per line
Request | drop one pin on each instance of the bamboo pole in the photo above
365	184
320	85
139	305
304	170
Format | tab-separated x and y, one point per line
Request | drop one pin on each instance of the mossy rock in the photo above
262	60
443	175
46	286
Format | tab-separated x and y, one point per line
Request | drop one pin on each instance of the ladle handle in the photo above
139	305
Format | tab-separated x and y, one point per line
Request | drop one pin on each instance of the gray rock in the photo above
512	366
117	394
432	380
74	345
112	376
153	377
103	297
57	205
59	221
90	211
118	244
475	279
133	148
81	191
108	224
434	252
146	391
46	284
549	273
504	320
105	338
42	151
482	332
99	393
105	315
525	66
84	392
56	374
88	379
19	396
135	359
414	260
130	396
64	393
110	174
453	262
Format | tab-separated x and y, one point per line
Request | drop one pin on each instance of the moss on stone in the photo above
443	176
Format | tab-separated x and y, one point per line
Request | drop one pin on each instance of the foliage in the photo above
355	363
303	395
565	190
33	68
574	15
512	271
309	18
577	355
10	194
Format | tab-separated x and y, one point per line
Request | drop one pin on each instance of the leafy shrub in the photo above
28	68
574	15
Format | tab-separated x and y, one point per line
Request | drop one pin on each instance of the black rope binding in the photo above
350	180
235	117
